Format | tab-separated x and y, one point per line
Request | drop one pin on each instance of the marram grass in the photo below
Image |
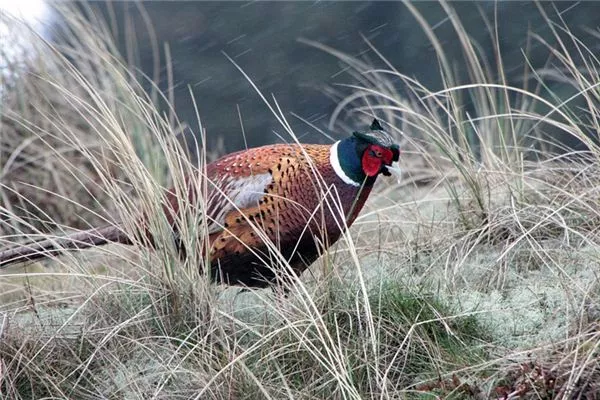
477	277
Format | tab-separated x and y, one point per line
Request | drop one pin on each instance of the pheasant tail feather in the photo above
75	241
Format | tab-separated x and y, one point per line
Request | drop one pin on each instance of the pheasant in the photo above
297	197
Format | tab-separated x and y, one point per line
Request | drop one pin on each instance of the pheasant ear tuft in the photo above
376	126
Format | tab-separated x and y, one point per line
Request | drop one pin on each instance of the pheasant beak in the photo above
394	169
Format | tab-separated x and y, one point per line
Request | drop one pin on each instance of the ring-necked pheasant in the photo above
298	197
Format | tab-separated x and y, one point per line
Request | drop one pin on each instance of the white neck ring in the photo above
335	163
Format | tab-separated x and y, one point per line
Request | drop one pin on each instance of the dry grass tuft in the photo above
477	277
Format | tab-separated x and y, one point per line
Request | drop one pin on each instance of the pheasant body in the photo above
295	199
296	210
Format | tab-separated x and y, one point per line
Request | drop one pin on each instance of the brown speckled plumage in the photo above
287	195
295	209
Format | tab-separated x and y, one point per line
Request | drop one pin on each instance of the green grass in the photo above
419	339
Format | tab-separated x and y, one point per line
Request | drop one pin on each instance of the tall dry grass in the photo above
504	207
421	298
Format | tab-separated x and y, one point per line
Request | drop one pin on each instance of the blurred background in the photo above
184	45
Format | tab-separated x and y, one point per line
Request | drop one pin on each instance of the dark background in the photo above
263	39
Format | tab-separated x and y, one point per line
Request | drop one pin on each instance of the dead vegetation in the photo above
477	277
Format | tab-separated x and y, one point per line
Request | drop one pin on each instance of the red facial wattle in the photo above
374	158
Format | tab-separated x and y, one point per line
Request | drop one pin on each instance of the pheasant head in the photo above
360	158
